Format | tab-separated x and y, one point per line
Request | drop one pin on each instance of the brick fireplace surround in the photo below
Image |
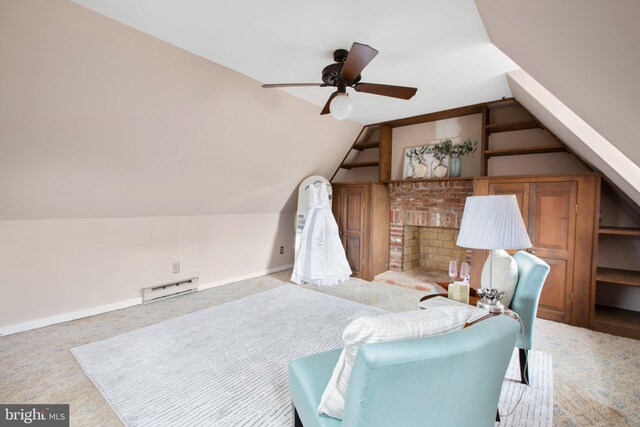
436	204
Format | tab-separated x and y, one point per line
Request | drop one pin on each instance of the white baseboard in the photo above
66	317
243	277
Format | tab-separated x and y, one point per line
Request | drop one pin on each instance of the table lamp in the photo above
492	222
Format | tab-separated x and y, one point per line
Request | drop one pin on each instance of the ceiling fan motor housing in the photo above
331	73
340	55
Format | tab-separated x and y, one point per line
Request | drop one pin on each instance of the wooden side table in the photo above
473	294
473	299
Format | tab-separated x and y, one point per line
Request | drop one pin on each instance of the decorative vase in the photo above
408	172
455	166
440	171
420	170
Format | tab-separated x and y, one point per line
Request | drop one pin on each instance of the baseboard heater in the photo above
169	290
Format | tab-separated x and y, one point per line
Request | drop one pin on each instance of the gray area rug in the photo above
227	365
536	405
223	366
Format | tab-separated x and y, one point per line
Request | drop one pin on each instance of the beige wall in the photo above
549	163
367	174
122	154
471	127
51	267
424	133
585	52
532	164
100	120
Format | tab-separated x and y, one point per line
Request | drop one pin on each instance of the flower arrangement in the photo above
420	160
447	148
463	148
417	153
442	150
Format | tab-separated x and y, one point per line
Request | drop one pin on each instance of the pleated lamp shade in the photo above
492	222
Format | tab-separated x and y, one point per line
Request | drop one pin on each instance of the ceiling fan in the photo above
345	72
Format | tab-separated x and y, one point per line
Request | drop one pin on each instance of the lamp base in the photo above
492	307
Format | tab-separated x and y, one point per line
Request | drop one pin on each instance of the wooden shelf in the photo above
403	181
366	145
616	321
523	151
359	165
502	103
620	231
510	127
621	277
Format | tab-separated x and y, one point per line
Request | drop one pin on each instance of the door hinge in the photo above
571	297
576	209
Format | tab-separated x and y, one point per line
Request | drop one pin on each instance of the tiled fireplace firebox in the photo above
430	247
425	219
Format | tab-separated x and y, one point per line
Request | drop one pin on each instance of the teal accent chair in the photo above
452	379
532	272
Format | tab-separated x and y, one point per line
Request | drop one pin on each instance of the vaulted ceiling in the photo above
98	120
439	47
580	61
583	52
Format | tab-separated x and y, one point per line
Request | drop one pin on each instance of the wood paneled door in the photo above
559	212
352	231
552	230
519	189
362	214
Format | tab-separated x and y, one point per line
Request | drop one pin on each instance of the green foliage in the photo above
448	148
417	153
442	150
467	146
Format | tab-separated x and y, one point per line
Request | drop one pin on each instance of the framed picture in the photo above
418	162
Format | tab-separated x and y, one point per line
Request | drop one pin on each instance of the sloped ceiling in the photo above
98	120
439	47
581	138
585	52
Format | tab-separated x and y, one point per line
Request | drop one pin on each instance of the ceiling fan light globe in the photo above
341	106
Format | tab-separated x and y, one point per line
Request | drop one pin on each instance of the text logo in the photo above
34	415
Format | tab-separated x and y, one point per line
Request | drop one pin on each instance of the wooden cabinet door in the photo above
353	210
519	189
336	209
552	230
560	219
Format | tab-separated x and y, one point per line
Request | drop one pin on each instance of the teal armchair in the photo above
452	379
532	272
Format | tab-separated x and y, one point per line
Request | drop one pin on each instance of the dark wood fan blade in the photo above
401	92
325	110
359	57
267	86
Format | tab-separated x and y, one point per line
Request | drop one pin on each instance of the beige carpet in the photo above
596	376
